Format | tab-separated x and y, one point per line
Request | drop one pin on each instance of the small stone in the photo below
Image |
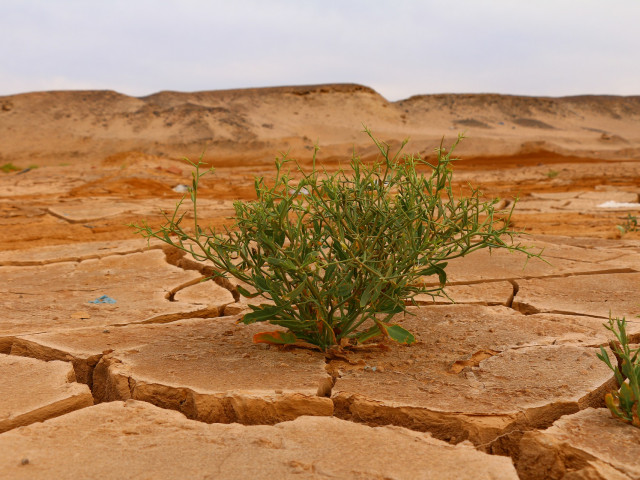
24	461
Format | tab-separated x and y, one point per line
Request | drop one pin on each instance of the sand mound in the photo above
249	126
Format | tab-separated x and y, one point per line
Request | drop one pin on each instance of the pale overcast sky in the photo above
398	47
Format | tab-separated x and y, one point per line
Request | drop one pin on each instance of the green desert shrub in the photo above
9	167
624	403
630	224
340	254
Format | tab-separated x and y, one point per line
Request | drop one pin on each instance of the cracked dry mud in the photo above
502	383
490	373
138	440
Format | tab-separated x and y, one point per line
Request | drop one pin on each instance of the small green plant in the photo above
9	167
340	254
552	173
630	224
624	403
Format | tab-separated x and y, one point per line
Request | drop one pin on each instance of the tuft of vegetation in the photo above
338	255
552	173
9	167
623	403
630	224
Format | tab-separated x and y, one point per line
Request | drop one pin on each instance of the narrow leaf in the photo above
246	293
293	295
366	295
261	313
436	269
280	263
399	334
368	334
275	338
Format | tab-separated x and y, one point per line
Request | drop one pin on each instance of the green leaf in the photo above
279	237
293	295
390	306
399	334
275	338
310	258
436	269
286	264
366	295
626	395
368	334
344	289
261	313
328	274
246	293
261	283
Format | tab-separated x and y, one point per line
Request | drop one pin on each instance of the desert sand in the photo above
110	343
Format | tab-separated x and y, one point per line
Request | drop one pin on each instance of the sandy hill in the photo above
252	125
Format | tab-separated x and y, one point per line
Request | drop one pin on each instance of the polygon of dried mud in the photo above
594	295
205	368
162	444
589	444
490	293
91	209
468	377
33	391
579	202
76	252
59	295
487	266
476	373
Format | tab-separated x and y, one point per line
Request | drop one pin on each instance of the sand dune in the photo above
251	126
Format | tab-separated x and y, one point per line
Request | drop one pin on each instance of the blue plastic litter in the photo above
103	299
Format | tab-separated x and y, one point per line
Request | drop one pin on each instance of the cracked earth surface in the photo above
502	382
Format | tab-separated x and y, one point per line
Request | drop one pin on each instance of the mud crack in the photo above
177	258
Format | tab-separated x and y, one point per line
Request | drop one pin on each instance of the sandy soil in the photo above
111	147
89	163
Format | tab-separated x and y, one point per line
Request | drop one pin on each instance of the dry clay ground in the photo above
163	383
